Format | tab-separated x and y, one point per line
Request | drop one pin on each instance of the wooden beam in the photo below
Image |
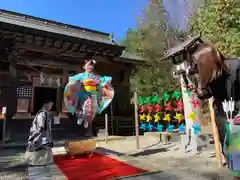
82	48
75	47
67	45
129	61
57	46
19	37
29	39
92	46
57	43
78	56
39	40
48	63
48	43
50	50
36	48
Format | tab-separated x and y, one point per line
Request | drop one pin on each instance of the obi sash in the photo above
90	85
81	85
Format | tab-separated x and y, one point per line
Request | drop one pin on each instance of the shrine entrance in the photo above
42	93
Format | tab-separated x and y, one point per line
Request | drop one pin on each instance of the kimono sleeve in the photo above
41	120
106	93
99	91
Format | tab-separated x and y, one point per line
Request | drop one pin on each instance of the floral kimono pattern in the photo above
88	94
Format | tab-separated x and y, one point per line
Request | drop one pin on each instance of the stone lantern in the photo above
181	57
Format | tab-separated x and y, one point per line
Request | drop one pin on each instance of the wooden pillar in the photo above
4	127
32	100
112	118
12	103
136	119
65	76
61	88
58	103
106	128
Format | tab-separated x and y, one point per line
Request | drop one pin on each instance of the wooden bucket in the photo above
81	147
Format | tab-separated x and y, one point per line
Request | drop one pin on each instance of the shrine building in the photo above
37	57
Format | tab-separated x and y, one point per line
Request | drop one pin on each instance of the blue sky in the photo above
104	15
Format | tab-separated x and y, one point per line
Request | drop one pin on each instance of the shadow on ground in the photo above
197	165
109	152
144	152
148	152
12	165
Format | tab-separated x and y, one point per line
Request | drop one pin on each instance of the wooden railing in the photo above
99	123
125	126
5	79
120	125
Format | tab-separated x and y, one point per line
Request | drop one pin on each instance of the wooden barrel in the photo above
80	147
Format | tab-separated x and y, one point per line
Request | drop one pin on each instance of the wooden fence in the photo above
119	125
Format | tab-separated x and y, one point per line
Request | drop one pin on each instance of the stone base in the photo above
80	147
197	143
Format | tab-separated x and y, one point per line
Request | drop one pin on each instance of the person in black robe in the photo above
218	78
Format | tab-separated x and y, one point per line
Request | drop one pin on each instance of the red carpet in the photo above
98	167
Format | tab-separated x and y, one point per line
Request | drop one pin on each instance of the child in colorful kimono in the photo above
88	94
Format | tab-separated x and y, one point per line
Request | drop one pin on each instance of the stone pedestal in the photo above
195	144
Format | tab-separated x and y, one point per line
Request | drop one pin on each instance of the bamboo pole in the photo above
215	134
106	128
136	119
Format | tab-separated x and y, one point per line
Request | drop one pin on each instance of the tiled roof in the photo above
181	47
41	24
127	55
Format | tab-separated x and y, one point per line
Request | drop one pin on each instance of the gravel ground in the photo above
169	158
12	166
164	157
199	166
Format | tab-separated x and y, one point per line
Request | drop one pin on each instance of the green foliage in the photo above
150	40
133	42
152	78
219	22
